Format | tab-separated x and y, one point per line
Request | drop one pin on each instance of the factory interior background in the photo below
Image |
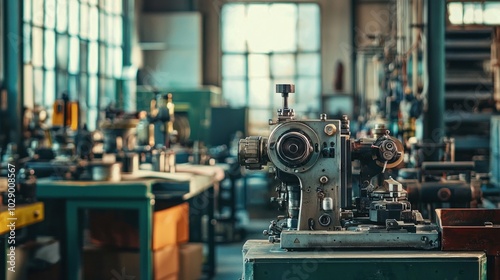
228	139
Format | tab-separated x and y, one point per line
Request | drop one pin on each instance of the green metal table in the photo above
136	195
133	192
263	260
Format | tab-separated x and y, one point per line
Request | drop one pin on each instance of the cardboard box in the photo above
118	228
105	264
190	261
171	226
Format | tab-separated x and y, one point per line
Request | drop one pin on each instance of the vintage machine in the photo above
313	161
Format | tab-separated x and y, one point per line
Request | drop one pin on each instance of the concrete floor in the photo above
229	259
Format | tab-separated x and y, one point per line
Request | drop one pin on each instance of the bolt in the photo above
323	179
322	117
330	129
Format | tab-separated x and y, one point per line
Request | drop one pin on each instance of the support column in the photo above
434	127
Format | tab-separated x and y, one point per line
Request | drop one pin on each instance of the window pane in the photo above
492	13
283	65
117	9
62	83
83	57
49	94
73	87
102	26
62	15
92	119
62	52
27	43
38	86
28	86
37	47
110	92
93	57
109	6
27	10
455	11
118	58
233	28
308	64
84	20
234	91
82	92
50	49
309	27
283	27
102	59
260	116
259	90
258	65
38	12
117	30
258	20
109	61
74	16
308	91
94	23
110	29
50	13
74	55
468	13
93	91
233	65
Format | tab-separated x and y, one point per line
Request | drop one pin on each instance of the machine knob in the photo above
285	113
285	89
252	152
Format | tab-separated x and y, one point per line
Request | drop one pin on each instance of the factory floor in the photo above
229	259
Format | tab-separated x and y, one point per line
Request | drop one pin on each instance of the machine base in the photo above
359	239
263	260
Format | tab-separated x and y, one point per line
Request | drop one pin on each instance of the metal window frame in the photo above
101	74
247	53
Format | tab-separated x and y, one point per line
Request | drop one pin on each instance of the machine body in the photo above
312	160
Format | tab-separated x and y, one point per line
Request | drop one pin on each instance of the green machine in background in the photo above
192	109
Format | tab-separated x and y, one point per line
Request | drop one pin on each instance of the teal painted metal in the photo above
136	195
3	256
263	260
74	232
434	127
12	61
47	188
196	104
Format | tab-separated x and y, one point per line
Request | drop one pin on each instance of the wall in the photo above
335	40
335	24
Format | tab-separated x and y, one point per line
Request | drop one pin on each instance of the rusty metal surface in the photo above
472	230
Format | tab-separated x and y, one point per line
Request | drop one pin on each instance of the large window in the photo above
72	46
266	44
474	13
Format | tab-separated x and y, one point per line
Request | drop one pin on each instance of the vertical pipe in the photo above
416	28
434	128
12	55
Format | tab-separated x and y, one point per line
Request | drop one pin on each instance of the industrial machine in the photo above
313	161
